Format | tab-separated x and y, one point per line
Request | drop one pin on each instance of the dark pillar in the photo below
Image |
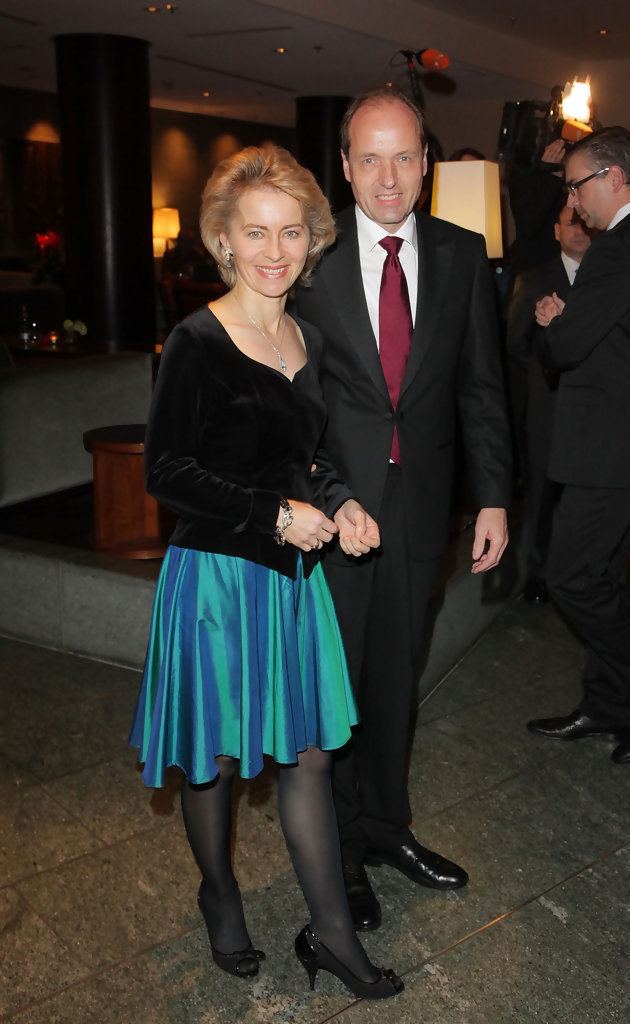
103	85
318	120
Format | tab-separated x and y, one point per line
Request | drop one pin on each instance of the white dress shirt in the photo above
622	212
372	257
570	265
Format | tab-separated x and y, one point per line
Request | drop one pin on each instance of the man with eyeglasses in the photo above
588	340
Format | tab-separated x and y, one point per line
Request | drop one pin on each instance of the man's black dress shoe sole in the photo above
421	866
576	726
365	909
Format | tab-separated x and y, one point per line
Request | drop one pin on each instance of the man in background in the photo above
539	385
588	341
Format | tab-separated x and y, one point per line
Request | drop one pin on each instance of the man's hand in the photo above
358	532
554	154
491	526
547	308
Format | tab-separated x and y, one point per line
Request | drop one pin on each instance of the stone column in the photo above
103	88
318	120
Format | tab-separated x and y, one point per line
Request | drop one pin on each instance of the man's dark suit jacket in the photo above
522	341
454	363
590	344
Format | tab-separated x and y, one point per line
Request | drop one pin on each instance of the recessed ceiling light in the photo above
171	8
152	9
603	31
206	92
280	49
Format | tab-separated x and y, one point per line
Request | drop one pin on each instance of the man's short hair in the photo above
382	92
608	147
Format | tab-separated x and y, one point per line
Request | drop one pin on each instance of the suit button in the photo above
389	415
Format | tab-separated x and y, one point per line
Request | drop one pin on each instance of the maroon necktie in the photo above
395	326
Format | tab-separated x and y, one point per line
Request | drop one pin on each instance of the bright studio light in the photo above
576	101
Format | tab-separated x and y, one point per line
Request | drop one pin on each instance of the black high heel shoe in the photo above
244	963
315	956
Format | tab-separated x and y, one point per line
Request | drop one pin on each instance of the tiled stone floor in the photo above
97	887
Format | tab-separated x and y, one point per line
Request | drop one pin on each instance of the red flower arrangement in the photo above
48	240
48	265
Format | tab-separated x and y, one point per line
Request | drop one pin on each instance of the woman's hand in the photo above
358	532
310	528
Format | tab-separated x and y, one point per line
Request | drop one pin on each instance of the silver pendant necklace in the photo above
281	361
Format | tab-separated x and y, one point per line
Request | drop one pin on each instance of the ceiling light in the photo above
603	31
205	93
152	9
171	8
280	49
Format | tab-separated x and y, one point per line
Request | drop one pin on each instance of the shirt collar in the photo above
370	233
620	214
570	265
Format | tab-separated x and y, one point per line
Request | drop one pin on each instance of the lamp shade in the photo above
467	193
165	222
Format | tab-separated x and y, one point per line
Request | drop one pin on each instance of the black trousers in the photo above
381	603
588	579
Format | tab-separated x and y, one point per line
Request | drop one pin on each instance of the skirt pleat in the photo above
243	662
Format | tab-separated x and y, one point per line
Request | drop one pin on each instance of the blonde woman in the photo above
245	658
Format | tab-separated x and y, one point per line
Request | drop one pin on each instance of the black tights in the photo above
309	825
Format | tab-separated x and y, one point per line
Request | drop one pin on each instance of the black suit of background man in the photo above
535	387
453	365
588	341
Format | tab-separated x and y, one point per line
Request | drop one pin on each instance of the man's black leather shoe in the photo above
621	754
364	906
535	591
576	726
419	864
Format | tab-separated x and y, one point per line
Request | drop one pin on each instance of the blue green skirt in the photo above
241	661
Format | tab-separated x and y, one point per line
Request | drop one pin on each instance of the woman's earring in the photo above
228	257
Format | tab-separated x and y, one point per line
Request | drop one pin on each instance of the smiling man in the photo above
406	307
588	341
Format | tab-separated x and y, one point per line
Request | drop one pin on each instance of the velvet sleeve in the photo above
173	473
328	491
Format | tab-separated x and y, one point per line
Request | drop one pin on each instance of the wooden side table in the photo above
128	522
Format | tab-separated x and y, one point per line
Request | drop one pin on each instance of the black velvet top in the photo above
228	436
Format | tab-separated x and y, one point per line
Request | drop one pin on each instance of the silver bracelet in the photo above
287	519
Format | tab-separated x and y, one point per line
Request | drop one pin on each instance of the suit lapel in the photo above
435	255
341	273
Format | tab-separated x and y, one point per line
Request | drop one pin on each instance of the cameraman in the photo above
535	194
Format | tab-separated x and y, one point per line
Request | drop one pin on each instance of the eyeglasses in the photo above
573	186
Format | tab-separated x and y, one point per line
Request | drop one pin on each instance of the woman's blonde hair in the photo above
265	166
